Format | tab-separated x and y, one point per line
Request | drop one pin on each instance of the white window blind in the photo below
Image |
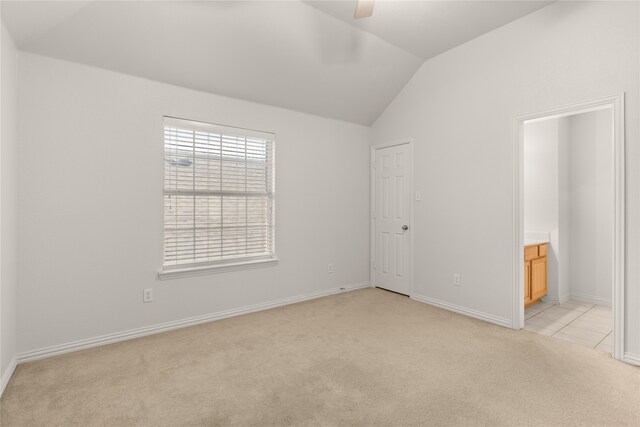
218	194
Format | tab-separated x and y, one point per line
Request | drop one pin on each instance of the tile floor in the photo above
589	325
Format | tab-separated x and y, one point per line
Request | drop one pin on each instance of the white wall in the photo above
8	203
91	153
541	190
458	108
591	212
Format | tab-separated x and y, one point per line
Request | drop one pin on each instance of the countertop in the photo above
534	242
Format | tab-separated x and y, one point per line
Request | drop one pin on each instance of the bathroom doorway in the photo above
569	216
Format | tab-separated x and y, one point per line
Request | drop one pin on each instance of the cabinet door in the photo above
538	278
527	282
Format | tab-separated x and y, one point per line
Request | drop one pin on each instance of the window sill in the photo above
177	273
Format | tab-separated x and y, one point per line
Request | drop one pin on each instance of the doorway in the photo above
548	225
392	214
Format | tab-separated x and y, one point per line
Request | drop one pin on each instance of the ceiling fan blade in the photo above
364	9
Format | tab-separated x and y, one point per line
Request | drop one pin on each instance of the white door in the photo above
393	178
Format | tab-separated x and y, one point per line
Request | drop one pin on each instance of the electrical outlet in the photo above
147	295
418	196
456	279
330	268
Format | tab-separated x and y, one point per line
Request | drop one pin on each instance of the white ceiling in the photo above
289	54
428	28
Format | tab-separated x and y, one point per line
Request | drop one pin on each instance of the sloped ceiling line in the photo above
302	56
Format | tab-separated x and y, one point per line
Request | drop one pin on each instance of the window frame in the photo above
230	264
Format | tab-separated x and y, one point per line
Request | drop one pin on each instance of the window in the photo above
218	196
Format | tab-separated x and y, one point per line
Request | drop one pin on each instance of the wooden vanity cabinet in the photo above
535	273
527	283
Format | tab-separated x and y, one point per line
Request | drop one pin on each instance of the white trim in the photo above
216	268
6	377
463	310
372	209
583	107
517	308
620	254
217	128
616	103
631	358
409	142
591	299
392	143
177	324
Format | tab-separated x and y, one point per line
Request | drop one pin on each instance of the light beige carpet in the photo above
361	358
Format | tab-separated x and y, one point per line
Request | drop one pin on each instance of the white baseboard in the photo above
183	323
4	379
591	299
631	358
463	310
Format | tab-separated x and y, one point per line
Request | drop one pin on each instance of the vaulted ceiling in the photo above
306	56
428	28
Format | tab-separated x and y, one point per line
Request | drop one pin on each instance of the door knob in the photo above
405	227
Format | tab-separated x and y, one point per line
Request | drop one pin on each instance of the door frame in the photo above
616	103
372	218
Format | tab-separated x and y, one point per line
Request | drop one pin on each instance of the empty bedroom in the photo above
369	213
